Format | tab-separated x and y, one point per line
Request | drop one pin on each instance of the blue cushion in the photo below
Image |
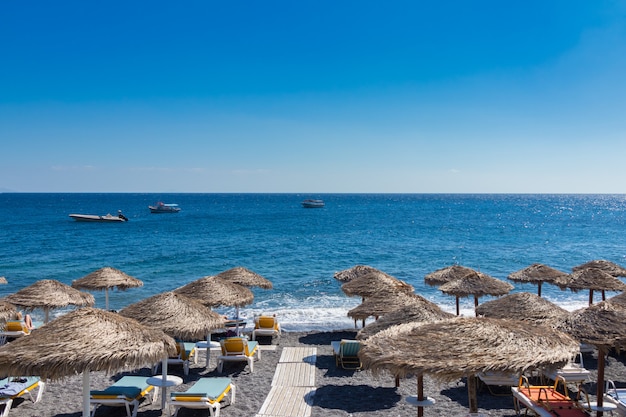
206	387
128	386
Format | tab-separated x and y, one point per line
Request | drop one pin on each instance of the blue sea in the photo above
299	250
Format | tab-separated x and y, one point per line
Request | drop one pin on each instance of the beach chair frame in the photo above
233	351
25	393
194	399
346	353
114	399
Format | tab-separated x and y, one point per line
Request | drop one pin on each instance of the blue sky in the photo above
313	96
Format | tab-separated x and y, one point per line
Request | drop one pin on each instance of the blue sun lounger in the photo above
205	393
126	392
16	387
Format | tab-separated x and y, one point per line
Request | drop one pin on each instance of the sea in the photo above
300	249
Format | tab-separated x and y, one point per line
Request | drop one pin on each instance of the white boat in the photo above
103	219
164	208
310	203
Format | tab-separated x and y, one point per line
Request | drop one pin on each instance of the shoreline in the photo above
339	393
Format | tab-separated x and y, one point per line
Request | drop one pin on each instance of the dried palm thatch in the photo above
619	299
417	312
477	285
594	279
447	274
49	294
87	339
354	272
602	325
450	349
538	274
176	315
214	292
106	278
245	277
7	311
380	305
3	280
522	306
609	267
375	283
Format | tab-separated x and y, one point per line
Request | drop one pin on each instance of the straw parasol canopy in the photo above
602	325
245	277
214	292
7	311
522	306
380	305
177	315
538	274
619	299
85	340
462	347
477	285
3	280
104	279
447	274
419	311
49	294
375	283
354	272
594	279
609	267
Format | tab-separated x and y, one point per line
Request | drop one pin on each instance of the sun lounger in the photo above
266	326
547	401
616	396
12	388
572	372
238	349
185	351
13	329
501	379
126	392
346	353
205	393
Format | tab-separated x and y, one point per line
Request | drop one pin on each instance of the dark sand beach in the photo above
339	393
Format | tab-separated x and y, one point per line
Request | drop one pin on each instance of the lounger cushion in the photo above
14	387
211	388
128	386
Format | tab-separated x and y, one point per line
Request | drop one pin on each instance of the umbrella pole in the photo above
86	405
106	299
208	349
163	379
600	387
539	289
475	304
590	297
46	315
420	394
457	307
471	393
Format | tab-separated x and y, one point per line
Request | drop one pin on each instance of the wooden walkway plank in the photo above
287	402
298	354
294	374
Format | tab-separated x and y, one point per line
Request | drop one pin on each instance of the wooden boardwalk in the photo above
293	386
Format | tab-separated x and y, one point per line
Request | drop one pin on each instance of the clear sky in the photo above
313	96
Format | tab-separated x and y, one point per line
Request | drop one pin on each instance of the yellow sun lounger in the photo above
266	326
126	392
238	349
205	393
12	388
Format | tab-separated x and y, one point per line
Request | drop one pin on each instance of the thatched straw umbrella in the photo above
354	272
538	274
447	274
522	306
619	299
214	292
245	277
382	304
176	315
417	312
609	267
7	311
104	279
49	294
375	283
82	341
3	280
462	347
477	285
594	279
602	325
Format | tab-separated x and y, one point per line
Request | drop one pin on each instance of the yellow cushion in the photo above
15	326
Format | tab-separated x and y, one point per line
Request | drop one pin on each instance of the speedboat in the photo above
310	203
164	208
103	219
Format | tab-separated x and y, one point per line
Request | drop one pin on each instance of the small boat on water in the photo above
164	208
103	219
310	203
